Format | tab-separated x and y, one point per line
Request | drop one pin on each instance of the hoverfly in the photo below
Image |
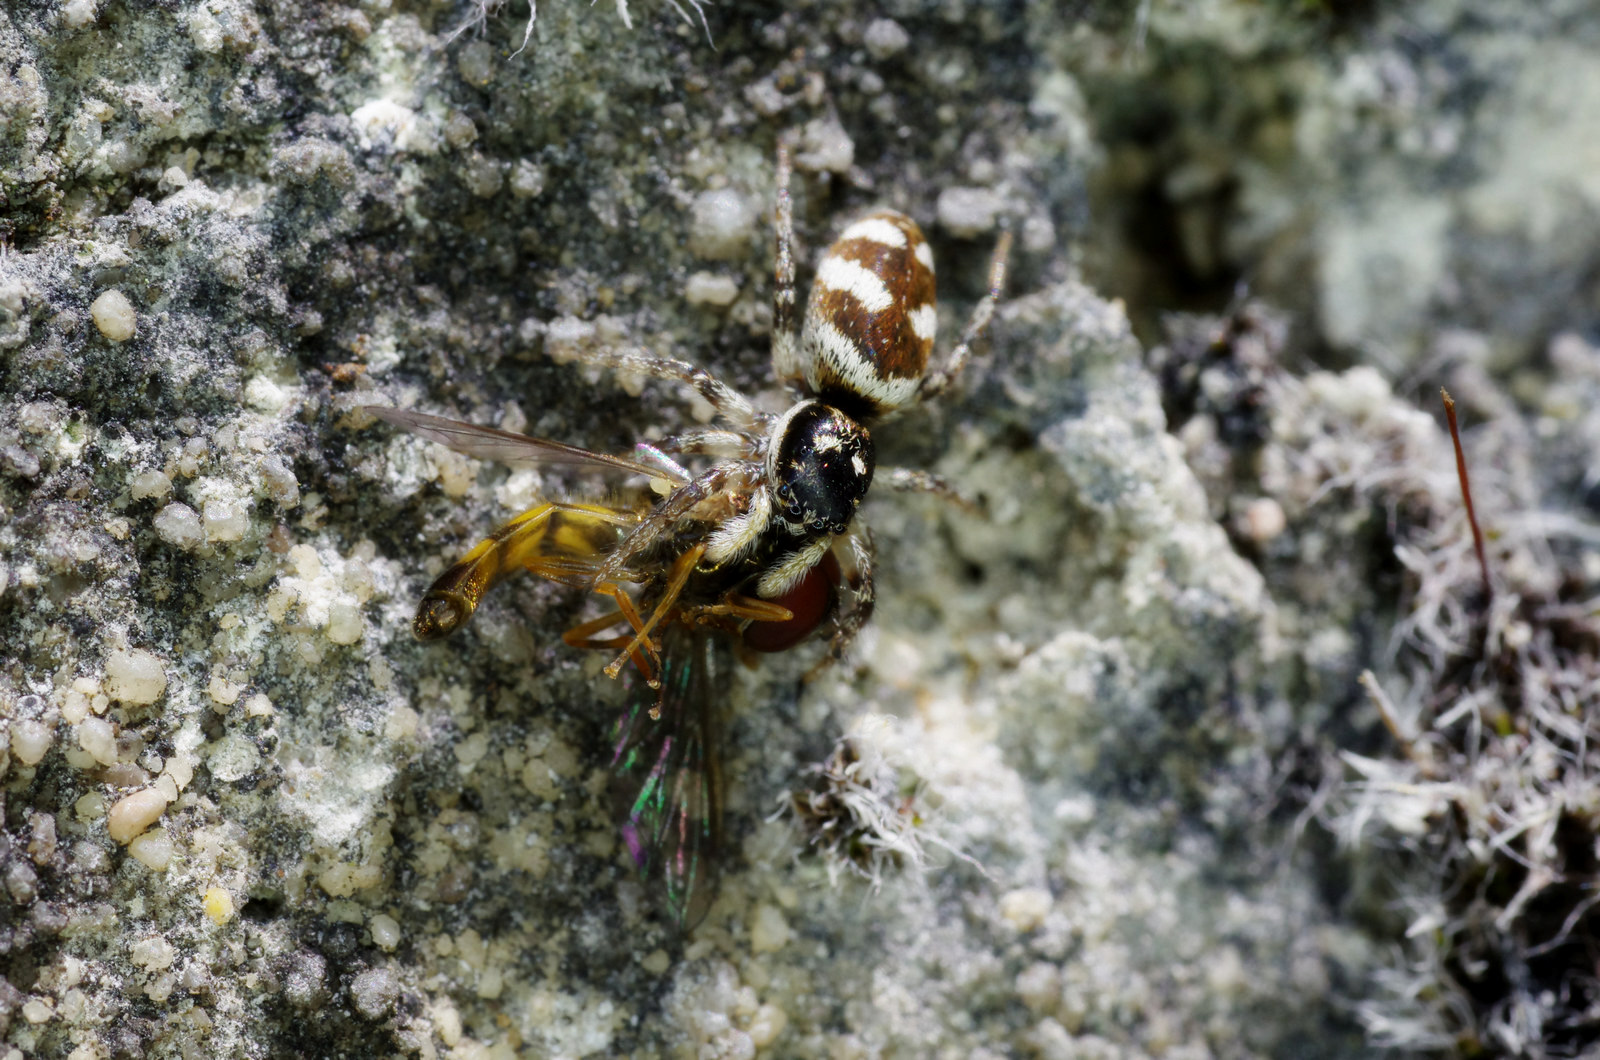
757	531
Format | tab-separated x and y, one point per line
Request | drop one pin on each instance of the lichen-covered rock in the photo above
245	813
1393	174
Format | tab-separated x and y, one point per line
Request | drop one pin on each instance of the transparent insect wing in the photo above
489	443
668	777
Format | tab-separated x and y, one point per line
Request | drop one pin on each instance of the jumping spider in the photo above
756	543
783	490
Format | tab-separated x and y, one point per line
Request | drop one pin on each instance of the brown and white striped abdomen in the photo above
870	320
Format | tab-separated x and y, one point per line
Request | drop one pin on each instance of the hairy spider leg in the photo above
858	578
938	379
714	441
911	480
728	402
786	364
661	519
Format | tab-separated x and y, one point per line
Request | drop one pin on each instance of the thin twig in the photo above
1466	492
1420	756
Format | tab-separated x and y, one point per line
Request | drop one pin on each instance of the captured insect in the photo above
752	530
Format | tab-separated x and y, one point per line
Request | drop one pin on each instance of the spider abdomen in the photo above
870	321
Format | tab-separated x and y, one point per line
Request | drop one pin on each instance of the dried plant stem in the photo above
1466	491
1419	755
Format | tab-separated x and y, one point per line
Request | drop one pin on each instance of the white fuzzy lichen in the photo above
482	9
866	809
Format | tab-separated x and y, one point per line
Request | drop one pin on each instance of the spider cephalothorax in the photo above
819	464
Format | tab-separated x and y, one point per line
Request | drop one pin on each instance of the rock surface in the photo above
246	814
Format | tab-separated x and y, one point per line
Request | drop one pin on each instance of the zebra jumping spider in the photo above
754	543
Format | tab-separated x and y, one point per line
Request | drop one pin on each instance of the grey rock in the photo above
373	992
1098	710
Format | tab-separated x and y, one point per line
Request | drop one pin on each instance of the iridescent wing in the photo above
489	443
669	776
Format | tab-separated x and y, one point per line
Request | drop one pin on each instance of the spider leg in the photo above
858	577
738	533
787	571
728	402
714	441
938	379
786	364
909	480
665	515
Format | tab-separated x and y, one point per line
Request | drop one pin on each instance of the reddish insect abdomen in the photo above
811	600
870	320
